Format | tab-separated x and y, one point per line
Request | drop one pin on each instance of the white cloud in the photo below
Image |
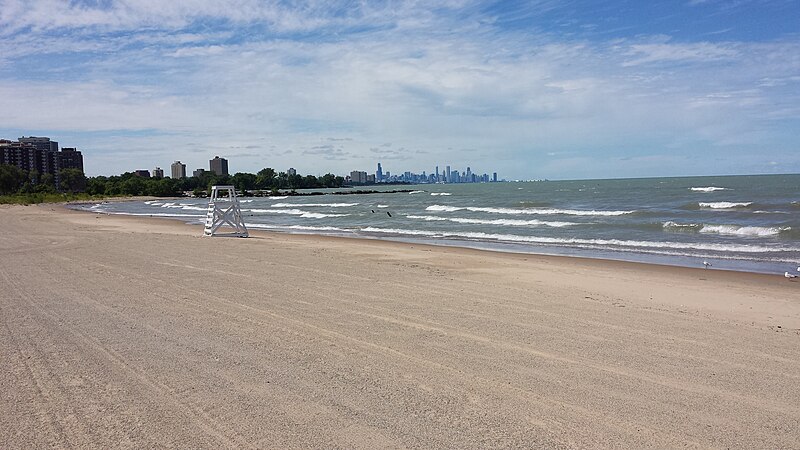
404	77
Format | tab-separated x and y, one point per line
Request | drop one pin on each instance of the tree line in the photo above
13	180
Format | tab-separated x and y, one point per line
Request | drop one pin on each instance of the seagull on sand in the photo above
789	275
706	264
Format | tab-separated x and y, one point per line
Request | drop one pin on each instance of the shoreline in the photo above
632	257
653	272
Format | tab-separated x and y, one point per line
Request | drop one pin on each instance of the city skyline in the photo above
538	89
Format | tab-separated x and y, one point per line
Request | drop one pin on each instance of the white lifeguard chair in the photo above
223	209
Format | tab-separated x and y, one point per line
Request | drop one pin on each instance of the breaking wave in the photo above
724	205
294	212
708	189
540	211
314	205
729	230
441	193
508	222
620	244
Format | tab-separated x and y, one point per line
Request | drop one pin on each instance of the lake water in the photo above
746	223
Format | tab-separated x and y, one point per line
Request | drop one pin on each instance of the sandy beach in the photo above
137	332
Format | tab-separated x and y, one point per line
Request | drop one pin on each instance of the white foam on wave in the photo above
605	243
294	212
730	230
441	193
735	230
708	189
281	197
313	205
382	206
416	192
532	211
294	227
724	205
670	225
508	222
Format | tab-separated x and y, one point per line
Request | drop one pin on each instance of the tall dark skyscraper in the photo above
219	165
379	173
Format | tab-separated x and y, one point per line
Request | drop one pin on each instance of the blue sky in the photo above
536	89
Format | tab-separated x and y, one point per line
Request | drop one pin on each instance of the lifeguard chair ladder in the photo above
223	209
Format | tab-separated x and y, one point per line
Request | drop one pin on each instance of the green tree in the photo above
11	179
46	184
73	180
265	178
244	181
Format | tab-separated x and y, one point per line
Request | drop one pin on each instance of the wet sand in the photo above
132	332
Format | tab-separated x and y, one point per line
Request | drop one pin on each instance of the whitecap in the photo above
605	243
708	189
441	193
724	205
313	205
736	230
294	227
294	212
507	222
416	192
382	206
530	211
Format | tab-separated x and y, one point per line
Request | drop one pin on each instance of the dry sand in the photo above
125	332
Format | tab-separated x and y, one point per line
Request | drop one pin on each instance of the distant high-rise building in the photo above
436	175
379	173
219	165
291	172
40	155
468	175
142	173
448	178
198	172
71	158
494	177
158	172
42	143
178	170
358	177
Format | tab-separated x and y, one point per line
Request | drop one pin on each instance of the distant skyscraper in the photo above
198	172
379	173
219	165
142	173
494	177
447	178
436	175
291	172
158	172
178	170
